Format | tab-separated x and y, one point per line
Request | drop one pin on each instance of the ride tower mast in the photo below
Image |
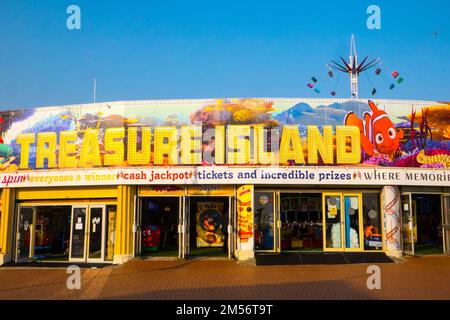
353	68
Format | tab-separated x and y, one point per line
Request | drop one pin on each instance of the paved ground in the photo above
414	278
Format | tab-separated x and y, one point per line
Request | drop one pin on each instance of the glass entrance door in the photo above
352	222
342	221
446	223
265	221
332	222
24	239
95	242
407	224
87	237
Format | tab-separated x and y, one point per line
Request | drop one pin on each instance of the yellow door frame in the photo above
342	196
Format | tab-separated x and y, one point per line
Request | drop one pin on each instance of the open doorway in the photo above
208	226
159	226
427	221
52	233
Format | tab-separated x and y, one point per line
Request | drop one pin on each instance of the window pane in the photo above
372	222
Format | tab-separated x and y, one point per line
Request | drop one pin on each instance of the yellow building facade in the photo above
227	178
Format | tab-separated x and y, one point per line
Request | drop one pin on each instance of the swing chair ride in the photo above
354	69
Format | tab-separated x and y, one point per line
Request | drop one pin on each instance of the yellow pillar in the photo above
123	246
6	224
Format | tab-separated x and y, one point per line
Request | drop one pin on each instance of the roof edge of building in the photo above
204	101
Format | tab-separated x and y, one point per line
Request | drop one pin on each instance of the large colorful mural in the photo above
227	132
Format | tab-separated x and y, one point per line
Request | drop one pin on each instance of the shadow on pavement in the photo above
328	290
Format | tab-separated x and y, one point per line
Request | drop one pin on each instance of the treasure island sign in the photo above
170	146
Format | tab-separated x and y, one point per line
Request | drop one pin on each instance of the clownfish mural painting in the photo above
378	133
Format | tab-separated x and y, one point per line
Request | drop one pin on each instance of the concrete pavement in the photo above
413	278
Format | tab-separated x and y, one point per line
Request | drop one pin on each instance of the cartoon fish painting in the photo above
378	133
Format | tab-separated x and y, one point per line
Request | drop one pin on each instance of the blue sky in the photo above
210	49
